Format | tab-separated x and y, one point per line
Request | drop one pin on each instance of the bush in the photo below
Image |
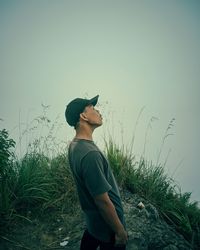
7	180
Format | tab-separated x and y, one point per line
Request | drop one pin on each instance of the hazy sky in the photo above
134	54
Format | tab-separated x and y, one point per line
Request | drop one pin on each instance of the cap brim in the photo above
94	100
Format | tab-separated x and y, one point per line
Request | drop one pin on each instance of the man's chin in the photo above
98	124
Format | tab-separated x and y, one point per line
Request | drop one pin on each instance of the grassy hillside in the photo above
39	184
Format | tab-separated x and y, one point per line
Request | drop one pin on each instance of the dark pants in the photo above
88	242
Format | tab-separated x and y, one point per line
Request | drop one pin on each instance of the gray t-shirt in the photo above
93	176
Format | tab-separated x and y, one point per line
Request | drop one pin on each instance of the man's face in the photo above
93	116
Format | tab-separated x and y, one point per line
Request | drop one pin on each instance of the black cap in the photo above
76	107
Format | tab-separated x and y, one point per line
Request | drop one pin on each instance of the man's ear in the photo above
83	117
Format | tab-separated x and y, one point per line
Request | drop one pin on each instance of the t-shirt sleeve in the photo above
93	174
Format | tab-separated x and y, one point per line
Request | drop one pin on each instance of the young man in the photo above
97	189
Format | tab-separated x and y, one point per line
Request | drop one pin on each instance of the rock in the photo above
153	213
137	241
146	229
141	205
64	243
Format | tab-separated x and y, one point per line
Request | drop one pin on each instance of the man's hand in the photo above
121	238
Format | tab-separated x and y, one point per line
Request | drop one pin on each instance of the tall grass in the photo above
151	182
36	183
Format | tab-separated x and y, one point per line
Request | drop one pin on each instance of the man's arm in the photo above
108	212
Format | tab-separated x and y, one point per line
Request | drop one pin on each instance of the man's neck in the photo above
84	134
84	137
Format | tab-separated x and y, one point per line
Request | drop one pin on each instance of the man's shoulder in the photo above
82	147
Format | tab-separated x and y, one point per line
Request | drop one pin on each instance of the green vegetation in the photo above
35	184
38	184
151	182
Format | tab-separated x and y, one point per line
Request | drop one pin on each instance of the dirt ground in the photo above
54	230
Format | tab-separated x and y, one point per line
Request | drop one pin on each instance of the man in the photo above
97	189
